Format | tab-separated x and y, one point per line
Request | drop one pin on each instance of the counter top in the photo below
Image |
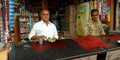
112	41
72	50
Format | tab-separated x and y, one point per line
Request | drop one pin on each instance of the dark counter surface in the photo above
115	44
72	50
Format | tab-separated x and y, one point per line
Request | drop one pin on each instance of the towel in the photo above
91	42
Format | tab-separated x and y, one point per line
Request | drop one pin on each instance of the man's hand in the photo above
42	37
38	37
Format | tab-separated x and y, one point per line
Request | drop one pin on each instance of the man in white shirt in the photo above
43	29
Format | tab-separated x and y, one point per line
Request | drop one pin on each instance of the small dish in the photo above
51	40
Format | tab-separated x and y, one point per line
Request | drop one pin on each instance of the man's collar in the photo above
44	22
95	21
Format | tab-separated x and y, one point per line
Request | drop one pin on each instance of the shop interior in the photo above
17	18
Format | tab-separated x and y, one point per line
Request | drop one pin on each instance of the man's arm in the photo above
38	37
87	28
102	30
55	33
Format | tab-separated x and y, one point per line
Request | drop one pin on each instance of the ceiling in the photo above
52	4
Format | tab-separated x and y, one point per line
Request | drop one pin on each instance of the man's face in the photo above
95	16
45	15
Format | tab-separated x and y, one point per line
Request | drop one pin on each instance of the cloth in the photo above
40	28
91	42
113	36
48	45
93	28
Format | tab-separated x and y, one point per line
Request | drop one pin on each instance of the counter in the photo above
71	51
26	51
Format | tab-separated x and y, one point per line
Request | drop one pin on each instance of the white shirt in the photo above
40	28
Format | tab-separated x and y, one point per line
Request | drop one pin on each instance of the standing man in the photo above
94	26
43	29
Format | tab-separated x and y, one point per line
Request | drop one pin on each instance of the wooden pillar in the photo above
16	30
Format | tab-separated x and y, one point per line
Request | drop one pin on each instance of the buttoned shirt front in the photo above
94	28
40	28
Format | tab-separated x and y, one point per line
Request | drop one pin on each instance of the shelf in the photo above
22	28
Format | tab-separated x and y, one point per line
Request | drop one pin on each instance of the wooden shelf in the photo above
21	32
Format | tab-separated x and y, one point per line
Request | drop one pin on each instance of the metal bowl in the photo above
52	40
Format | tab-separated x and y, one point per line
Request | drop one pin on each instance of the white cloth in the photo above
40	28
